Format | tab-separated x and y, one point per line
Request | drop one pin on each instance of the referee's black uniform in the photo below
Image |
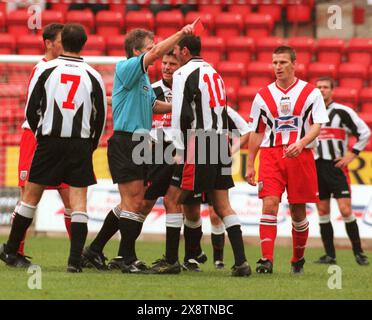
66	108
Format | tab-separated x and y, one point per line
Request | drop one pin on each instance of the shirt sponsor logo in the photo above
146	88
287	123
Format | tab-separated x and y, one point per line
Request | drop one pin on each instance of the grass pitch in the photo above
51	255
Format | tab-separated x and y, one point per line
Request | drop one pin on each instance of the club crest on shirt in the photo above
23	175
285	105
146	88
168	99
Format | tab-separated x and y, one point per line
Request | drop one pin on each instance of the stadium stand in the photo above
17	22
206	18
168	23
346	96
232	73
229	25
109	23
258	25
139	19
330	49
304	47
240	49
84	17
352	75
265	47
213	49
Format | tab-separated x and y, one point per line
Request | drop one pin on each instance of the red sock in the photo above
300	233
67	217
268	235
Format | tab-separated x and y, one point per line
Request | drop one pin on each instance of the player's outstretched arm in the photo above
168	44
255	140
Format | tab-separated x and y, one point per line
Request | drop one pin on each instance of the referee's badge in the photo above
23	175
285	105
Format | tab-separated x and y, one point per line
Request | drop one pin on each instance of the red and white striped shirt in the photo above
286	115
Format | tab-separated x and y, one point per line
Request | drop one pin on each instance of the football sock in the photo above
130	225
218	241
21	222
326	232
352	231
268	231
67	218
79	232
21	249
173	222
109	228
192	232
300	233
232	225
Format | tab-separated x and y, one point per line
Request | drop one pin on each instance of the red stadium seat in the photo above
231	96
259	74
265	48
95	46
258	25
352	75
213	49
118	7
301	71
168	23
109	23
115	46
2	21
60	6
17	22
246	95
214	9
139	19
319	69
360	51
243	9
7	43
240	49
346	96
229	25
304	47
84	17
232	73
299	13
330	50
365	99
30	44
153	73
206	18
52	16
273	10
367	117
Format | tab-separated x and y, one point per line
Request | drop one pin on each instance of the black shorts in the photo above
332	180
198	198
119	153
158	180
67	160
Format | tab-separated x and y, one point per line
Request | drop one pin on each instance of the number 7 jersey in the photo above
66	98
199	99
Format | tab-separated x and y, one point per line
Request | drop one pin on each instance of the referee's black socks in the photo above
352	231
79	232
109	228
233	228
21	222
130	228
326	232
173	222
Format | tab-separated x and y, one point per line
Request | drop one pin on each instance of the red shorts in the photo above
26	153
297	175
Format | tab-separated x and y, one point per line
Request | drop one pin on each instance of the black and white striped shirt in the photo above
333	137
199	99
67	99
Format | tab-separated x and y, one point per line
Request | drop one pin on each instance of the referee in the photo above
66	109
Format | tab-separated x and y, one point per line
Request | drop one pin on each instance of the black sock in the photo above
19	227
79	232
218	243
109	228
326	232
236	240
172	244
129	230
192	242
353	233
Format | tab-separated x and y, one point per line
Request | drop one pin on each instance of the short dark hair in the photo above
192	43
326	78
135	39
286	49
51	31
73	37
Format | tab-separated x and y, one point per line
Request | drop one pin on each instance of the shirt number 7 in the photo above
69	104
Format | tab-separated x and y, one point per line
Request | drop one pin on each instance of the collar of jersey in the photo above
166	84
195	59
70	58
285	91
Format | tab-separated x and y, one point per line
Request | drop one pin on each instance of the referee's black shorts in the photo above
332	180
124	167
67	160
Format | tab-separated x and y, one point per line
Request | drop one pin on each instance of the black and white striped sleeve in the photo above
358	128
237	122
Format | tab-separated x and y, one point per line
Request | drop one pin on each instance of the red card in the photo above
198	28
